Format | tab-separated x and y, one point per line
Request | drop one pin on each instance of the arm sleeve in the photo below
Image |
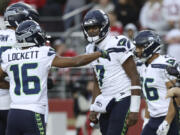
3	62
167	77
50	56
127	50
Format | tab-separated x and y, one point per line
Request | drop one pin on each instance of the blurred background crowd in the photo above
61	19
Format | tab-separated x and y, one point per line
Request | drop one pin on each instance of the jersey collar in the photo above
103	43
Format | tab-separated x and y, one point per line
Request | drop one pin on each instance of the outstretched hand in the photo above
105	53
163	128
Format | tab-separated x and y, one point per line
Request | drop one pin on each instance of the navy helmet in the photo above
96	18
18	12
29	33
150	42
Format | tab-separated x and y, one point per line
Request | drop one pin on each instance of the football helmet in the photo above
96	18
29	33
18	12
150	43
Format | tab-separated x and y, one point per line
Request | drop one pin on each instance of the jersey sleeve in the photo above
3	61
89	49
124	49
169	62
50	56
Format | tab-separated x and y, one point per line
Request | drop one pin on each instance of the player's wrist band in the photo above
135	87
135	103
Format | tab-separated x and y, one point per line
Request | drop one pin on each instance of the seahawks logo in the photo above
99	104
171	61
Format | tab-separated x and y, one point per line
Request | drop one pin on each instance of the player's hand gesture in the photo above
163	128
105	53
132	119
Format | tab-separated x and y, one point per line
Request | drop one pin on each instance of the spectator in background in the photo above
151	16
51	8
2	25
115	26
70	6
126	12
61	49
82	101
173	41
105	5
54	10
130	31
3	5
37	4
171	12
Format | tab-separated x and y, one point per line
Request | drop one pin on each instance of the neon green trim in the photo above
124	130
40	124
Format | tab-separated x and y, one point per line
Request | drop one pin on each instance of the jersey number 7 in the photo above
22	79
100	71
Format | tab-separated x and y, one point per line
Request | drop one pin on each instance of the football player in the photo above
27	67
14	14
175	71
116	94
160	112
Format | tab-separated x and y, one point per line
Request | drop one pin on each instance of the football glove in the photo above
105	53
163	128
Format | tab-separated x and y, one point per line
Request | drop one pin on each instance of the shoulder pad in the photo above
124	42
51	51
170	60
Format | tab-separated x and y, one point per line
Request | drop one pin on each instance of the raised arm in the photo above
80	60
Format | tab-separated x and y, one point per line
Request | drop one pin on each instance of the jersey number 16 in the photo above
22	79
